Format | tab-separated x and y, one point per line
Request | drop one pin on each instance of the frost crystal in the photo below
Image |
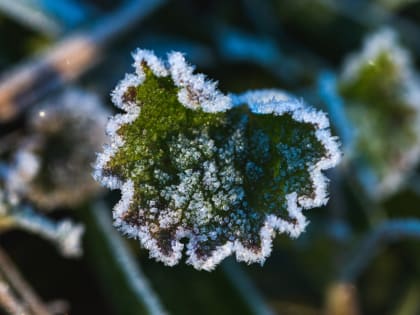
51	166
209	173
382	96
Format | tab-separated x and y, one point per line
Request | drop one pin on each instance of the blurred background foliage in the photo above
360	253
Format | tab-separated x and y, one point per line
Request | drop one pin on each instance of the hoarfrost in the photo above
204	188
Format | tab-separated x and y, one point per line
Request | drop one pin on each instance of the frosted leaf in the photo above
51	165
211	174
382	95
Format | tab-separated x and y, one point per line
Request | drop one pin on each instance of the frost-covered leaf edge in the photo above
212	100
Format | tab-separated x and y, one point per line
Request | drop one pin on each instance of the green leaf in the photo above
215	174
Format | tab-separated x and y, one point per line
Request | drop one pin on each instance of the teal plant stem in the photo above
389	231
327	83
32	17
327	87
237	46
4	169
245	288
64	234
119	262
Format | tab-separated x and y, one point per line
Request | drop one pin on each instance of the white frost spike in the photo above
260	96
196	91
152	61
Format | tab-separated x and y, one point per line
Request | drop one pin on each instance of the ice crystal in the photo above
51	166
382	95
210	173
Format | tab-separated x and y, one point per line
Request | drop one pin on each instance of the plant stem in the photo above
66	60
13	276
389	231
246	289
121	266
9	301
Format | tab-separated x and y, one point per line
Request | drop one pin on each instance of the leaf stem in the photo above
389	231
13	276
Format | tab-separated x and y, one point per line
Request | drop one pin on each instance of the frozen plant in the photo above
210	173
382	98
51	166
65	234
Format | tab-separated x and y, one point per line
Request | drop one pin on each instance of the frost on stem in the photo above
51	166
65	234
211	173
382	95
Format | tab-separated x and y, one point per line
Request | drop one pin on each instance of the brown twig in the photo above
66	60
9	302
12	275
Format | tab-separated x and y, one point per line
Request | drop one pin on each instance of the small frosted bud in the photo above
69	237
51	166
210	174
382	95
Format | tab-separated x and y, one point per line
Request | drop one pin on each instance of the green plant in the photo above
217	174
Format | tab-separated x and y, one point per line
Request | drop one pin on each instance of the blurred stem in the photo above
32	17
374	212
327	88
410	304
235	45
117	266
338	227
341	300
9	302
64	234
12	275
68	59
245	287
389	231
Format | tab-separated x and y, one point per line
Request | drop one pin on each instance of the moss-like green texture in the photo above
259	159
